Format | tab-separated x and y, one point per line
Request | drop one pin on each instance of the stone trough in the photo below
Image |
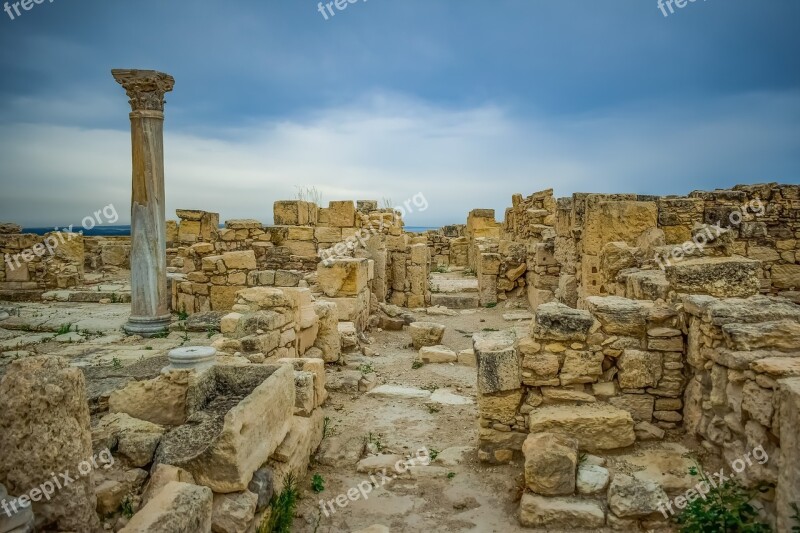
237	417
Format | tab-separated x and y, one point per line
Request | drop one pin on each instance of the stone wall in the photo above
622	359
742	354
762	223
209	272
36	263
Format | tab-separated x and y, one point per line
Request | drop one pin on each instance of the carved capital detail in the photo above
145	88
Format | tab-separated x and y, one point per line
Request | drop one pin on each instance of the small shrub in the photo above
182	314
283	508
433	409
433	453
366	369
725	509
116	363
417	364
451	475
796	518
469	272
64	329
127	507
491	305
317	483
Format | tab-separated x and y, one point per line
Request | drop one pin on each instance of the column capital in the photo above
145	88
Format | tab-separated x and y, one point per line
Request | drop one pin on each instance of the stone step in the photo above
117	296
16	295
456	300
598	427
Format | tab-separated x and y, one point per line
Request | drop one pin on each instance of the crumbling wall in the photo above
621	360
33	263
741	355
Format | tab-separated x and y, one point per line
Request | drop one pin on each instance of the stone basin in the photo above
238	416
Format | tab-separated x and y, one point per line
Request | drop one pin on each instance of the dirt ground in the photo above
460	497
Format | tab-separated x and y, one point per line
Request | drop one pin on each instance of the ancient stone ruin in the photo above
575	366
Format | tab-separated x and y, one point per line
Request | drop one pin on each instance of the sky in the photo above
465	102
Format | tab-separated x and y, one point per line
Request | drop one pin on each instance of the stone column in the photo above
149	298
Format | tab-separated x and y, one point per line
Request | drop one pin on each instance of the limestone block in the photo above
343	277
44	428
631	497
638	369
498	362
615	221
233	513
557	321
725	277
300	248
437	354
317	368
647	285
502	406
353	308
543	365
303	393
616	256
303	439
160	401
291	213
420	254
551	461
788	489
597	427
757	402
426	334
229	323
114	485
243	260
160	476
489	264
224	297
640	406
620	316
560	513
136	439
487	289
328	340
342	214
592	479
785	276
327	235
262	298
781	335
581	367
178	507
222	450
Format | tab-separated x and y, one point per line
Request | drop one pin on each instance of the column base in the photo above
147	326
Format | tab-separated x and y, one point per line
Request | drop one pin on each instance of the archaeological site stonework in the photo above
594	350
